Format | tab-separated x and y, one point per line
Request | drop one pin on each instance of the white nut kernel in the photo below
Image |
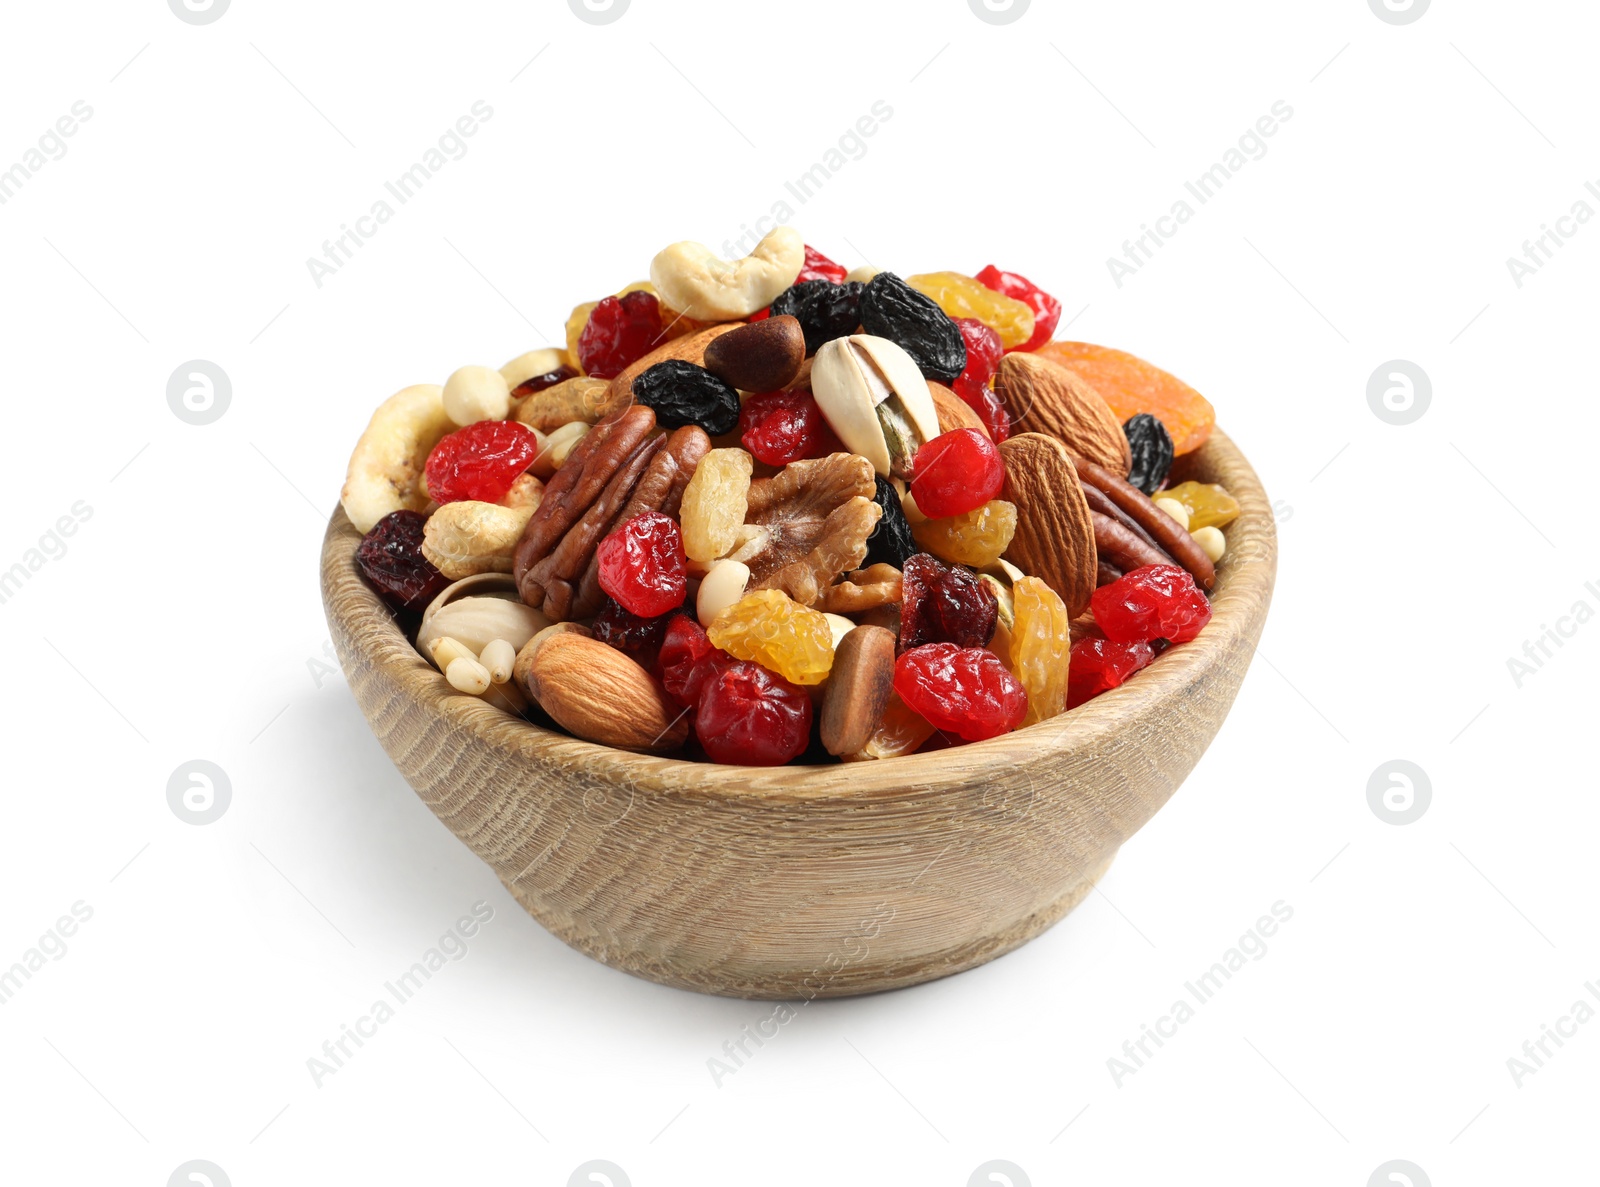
724	584
534	364
499	656
476	393
446	650
557	446
840	626
691	277
467	675
1176	510
862	274
1212	542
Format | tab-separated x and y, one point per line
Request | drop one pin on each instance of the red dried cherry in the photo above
749	715
783	427
1046	309
956	472
390	557
1099	664
642	565
688	659
965	690
637	638
942	603
972	385
820	267
620	331
480	461
1153	602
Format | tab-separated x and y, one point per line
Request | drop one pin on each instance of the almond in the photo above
1055	536
954	412
1045	397
600	695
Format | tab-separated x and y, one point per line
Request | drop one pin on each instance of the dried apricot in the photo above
1131	385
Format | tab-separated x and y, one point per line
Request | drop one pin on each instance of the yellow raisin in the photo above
978	537
576	320
714	503
1209	505
778	633
1041	643
900	731
962	296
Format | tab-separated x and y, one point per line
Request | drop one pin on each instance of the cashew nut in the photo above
691	277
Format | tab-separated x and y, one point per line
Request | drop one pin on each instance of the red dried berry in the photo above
390	557
688	659
783	427
480	461
964	690
820	267
972	385
642	564
760	314
956	472
942	603
1046	309
620	331
1153	602
637	638
539	382
748	715
1099	664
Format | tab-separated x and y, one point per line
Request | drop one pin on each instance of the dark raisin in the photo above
1152	452
890	542
637	638
942	603
892	309
824	310
390	557
539	382
684	394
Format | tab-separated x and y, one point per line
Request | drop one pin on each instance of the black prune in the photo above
1151	447
892	309
824	310
684	394
891	542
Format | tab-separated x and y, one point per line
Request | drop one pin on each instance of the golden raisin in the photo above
978	537
714	503
1041	645
1208	504
778	633
576	320
962	296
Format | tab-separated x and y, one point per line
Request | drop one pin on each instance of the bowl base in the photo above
866	976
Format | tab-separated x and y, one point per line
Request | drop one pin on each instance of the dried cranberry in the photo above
480	461
390	557
956	472
820	267
942	603
539	382
637	638
965	690
746	714
1153	602
783	427
1046	309
1099	664
688	659
972	385
620	331
642	564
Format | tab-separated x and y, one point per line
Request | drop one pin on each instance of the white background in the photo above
184	622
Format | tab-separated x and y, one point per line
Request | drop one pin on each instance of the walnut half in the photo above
815	517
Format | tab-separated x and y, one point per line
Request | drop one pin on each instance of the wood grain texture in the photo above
809	882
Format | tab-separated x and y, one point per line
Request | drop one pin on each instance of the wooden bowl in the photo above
803	882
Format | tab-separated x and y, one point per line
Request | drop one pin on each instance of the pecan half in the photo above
587	476
1161	527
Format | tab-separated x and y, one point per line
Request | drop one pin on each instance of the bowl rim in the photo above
1240	599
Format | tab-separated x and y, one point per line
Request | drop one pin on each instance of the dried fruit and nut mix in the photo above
769	510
